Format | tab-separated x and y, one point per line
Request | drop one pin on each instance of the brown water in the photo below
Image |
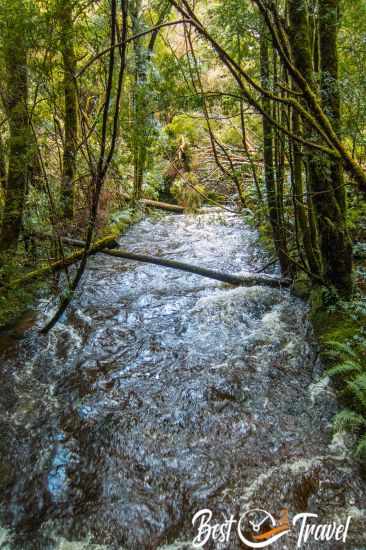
161	393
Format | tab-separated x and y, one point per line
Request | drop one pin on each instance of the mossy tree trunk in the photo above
70	108
323	199
338	252
20	136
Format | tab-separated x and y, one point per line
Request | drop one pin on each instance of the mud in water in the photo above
161	393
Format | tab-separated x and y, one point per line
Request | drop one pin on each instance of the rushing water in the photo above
161	393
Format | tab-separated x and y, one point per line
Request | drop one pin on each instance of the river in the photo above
161	393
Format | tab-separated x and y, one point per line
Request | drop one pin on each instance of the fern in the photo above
350	366
361	381
361	447
342	369
357	387
348	420
338	349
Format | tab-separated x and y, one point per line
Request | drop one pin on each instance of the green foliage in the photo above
119	221
350	370
340	349
154	181
184	126
342	369
14	302
352	71
348	421
188	192
232	136
361	447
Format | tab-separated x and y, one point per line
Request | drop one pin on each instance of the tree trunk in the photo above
300	211
70	110
248	153
2	165
142	118
138	93
328	212
16	97
338	259
331	102
109	246
269	172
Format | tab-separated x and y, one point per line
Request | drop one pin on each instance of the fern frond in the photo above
361	446
358	388
340	349
347	421
361	380
342	369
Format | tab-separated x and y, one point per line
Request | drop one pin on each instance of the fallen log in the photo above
158	204
58	265
108	246
163	206
237	280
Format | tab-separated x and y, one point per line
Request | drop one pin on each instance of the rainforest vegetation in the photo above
111	107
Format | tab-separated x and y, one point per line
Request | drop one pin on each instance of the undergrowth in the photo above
350	370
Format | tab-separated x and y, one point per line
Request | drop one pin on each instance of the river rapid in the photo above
161	393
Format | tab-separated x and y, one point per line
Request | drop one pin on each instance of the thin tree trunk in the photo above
299	199
248	154
139	76
269	172
2	165
16	74
70	109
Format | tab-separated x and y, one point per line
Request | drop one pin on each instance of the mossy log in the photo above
105	243
158	204
108	246
163	206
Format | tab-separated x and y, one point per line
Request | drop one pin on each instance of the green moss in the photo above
301	286
337	327
120	221
334	324
340	331
6	475
15	302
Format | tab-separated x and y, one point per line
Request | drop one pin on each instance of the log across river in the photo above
161	393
